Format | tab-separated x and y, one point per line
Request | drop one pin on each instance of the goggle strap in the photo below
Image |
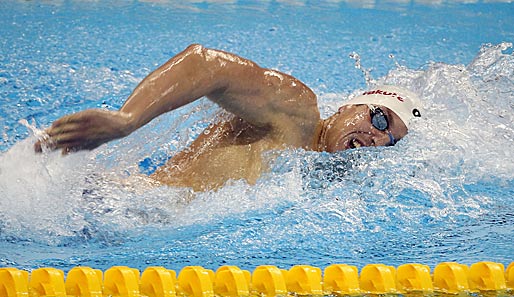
392	141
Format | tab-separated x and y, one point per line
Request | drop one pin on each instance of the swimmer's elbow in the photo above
195	48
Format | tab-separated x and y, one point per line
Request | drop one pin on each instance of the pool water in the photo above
443	193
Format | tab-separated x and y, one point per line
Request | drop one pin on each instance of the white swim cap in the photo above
404	103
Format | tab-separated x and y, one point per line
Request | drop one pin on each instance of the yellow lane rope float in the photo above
266	280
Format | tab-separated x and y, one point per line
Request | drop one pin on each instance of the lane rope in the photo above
265	280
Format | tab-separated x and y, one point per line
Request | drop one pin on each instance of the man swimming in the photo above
271	110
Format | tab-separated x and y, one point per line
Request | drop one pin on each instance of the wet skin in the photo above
351	128
270	110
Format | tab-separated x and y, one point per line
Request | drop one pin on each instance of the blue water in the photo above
444	193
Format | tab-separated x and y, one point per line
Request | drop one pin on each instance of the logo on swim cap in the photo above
404	103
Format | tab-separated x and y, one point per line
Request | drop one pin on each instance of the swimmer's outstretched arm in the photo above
262	97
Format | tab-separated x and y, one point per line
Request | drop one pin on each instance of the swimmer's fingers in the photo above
44	142
79	118
38	147
48	141
47	144
66	124
69	137
70	123
69	144
67	128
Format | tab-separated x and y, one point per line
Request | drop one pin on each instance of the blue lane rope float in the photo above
266	280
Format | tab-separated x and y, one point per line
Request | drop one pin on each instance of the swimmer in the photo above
270	110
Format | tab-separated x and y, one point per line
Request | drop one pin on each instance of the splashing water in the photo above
416	198
367	72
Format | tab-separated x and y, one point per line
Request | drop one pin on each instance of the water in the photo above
443	193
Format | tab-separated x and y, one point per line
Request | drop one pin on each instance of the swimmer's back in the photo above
228	150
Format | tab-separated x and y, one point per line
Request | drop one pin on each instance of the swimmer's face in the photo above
351	127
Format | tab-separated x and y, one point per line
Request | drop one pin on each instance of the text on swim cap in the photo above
385	93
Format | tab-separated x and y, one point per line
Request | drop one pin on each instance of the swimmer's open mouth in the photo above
354	143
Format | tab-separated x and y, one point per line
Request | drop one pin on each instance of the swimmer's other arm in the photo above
262	97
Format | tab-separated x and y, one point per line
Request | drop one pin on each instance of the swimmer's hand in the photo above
85	130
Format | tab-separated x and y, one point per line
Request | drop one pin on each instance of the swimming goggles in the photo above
379	121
